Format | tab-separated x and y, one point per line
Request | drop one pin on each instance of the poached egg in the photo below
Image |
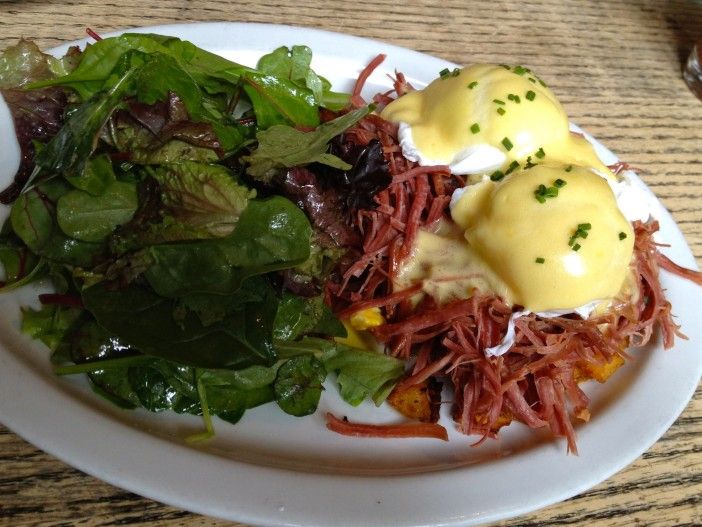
486	118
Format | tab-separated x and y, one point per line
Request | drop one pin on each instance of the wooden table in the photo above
616	67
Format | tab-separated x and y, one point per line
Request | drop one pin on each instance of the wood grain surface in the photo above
615	66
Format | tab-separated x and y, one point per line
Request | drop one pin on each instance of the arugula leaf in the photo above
92	218
278	101
144	320
294	64
100	59
271	234
362	373
284	147
68	152
164	76
298	385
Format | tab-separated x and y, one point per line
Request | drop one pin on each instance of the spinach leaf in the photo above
92	218
144	320
299	316
249	378
33	220
50	324
96	177
18	266
91	342
151	388
230	403
284	147
362	373
271	234
298	385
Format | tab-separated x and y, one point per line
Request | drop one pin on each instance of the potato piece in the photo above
585	371
418	401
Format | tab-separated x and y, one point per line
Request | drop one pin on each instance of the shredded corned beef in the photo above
345	427
536	381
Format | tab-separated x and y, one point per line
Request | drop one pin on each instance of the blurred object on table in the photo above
693	70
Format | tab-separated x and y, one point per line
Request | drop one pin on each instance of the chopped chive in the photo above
622	235
530	95
532	79
559	183
501	111
540	153
498	101
576	247
497	175
520	70
528	163
540	260
542	83
513	97
456	72
584	226
514	165
472	85
475	128
507	144
569	168
505	66
540	199
444	73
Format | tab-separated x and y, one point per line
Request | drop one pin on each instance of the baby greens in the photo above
145	196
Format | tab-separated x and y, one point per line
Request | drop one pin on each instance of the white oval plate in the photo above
272	469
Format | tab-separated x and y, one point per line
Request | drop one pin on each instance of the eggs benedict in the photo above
553	234
487	119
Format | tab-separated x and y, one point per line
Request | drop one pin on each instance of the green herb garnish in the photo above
530	95
507	144
580	232
540	260
512	167
472	85
475	128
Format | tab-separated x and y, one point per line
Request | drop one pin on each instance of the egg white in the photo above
475	159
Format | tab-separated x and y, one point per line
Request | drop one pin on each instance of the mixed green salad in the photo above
157	193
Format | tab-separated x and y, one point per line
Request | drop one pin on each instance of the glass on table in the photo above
693	70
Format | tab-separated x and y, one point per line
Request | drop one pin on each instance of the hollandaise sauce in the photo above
488	119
